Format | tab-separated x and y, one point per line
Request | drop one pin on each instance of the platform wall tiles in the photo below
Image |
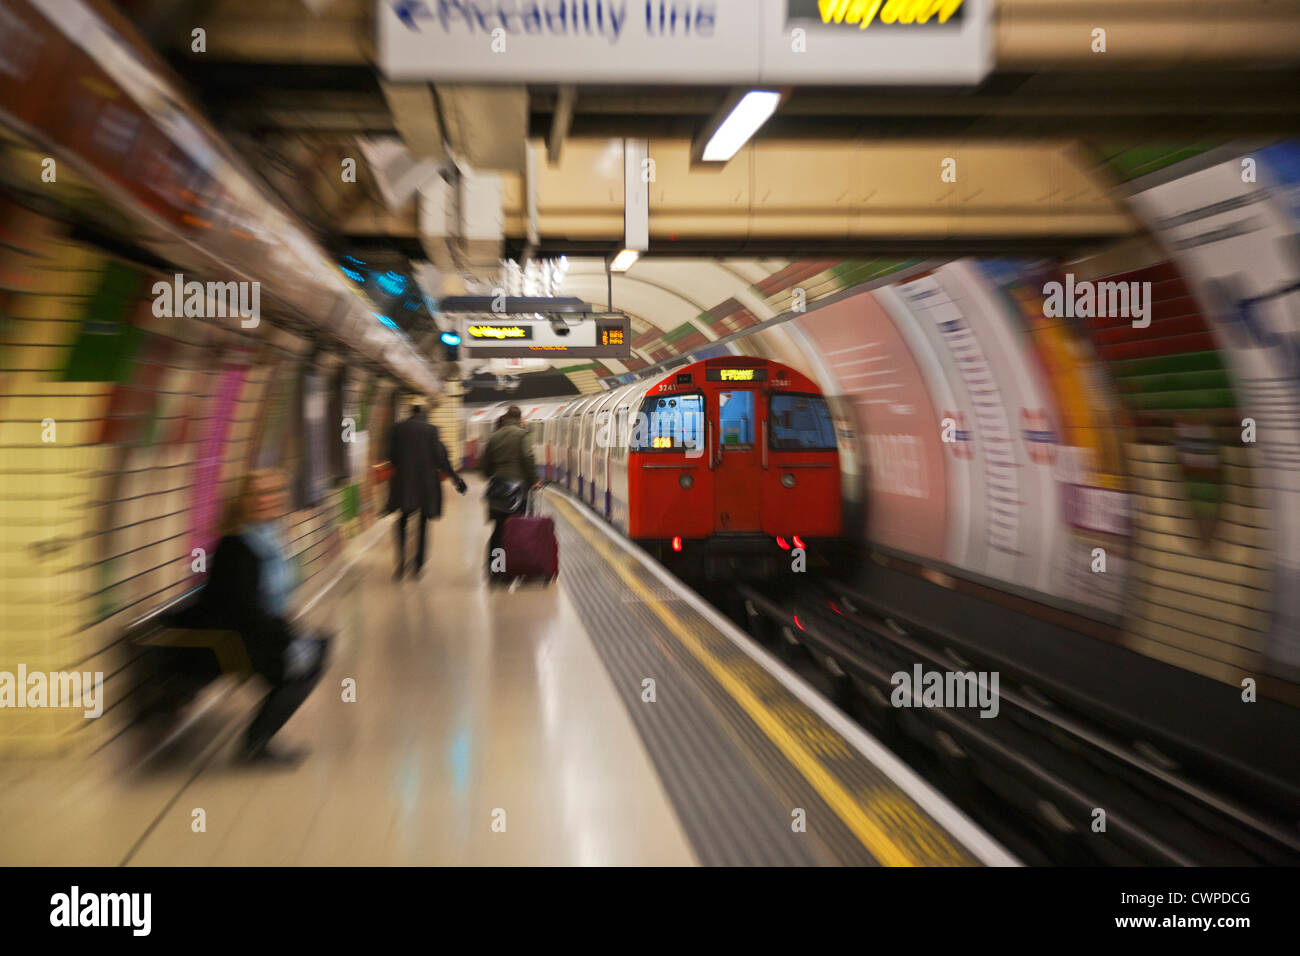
48	552
151	433
1237	238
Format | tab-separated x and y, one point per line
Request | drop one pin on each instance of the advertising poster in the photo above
210	453
315	459
874	370
1081	443
984	428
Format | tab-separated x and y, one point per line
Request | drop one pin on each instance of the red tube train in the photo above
725	466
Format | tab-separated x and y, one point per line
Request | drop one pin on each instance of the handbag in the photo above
504	497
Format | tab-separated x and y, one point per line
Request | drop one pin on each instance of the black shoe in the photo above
268	756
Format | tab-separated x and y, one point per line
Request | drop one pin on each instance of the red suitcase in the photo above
530	546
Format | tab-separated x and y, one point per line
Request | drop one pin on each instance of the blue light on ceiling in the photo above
353	274
388	322
354	259
450	338
393	283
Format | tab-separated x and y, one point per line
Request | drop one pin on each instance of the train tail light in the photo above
677	542
785	545
798	541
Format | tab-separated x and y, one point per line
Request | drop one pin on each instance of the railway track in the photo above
1053	782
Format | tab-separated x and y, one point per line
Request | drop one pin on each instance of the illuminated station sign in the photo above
591	336
732	42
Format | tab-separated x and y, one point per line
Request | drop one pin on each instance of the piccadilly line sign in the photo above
686	41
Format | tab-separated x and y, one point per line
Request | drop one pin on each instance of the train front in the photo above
736	472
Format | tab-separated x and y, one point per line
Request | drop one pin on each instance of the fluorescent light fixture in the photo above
754	109
623	261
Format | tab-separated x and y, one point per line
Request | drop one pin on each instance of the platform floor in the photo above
496	727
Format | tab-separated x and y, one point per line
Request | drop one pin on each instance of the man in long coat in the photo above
419	458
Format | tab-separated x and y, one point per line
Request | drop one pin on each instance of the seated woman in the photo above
249	590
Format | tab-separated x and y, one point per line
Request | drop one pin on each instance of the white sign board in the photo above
509	333
732	42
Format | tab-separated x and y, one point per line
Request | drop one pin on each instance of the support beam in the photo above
416	118
560	120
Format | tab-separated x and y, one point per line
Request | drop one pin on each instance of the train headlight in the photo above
686	480
788	480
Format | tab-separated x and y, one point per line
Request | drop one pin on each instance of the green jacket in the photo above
509	455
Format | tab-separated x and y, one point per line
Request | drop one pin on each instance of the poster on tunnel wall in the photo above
315	476
1088	464
962	483
1003	445
875	371
1233	230
211	452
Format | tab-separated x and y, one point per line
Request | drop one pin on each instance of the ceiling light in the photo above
623	261
744	120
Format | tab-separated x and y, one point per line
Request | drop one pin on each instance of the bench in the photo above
181	655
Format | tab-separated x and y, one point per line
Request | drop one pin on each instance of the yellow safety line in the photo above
875	838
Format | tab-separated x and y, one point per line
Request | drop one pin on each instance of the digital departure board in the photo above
736	374
500	333
559	336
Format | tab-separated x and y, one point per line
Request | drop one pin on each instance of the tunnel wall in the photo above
1076	434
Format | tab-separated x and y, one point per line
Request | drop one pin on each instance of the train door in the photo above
738	469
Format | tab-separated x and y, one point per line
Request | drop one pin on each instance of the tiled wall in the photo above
103	496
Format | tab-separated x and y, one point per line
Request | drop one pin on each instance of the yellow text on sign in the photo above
497	332
863	12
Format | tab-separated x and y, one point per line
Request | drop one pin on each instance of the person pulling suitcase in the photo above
508	465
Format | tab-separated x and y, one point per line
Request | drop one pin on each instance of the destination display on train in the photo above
736	375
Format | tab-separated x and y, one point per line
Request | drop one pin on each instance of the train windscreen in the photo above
670	423
799	423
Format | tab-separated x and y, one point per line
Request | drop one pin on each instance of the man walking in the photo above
418	457
508	465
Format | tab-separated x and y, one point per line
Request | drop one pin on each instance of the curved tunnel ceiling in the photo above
668	299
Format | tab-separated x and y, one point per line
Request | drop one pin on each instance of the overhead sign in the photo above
603	336
733	42
513	333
